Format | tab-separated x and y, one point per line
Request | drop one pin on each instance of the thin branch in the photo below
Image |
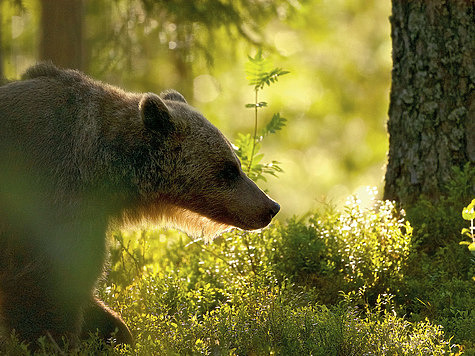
255	132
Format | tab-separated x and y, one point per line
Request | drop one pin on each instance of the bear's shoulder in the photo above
50	71
43	70
70	78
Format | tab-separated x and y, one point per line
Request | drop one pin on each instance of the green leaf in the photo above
275	124
466	232
257	158
244	147
259	71
468	213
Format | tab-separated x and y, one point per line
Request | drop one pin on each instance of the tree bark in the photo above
61	38
432	111
1	47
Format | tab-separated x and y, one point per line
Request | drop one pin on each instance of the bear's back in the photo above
46	96
43	70
52	123
38	115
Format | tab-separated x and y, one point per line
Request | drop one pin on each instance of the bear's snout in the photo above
255	210
268	215
275	208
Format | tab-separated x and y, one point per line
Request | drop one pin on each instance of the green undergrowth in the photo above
353	281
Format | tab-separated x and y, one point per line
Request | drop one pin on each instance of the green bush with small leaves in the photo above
277	291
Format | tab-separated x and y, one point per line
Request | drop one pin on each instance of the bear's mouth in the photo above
188	221
205	221
195	224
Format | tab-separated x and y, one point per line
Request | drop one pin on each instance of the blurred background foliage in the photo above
335	98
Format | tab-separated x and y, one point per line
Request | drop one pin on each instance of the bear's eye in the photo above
229	172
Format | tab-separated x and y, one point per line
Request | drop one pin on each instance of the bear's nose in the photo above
274	209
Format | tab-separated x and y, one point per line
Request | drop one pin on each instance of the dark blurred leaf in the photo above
275	124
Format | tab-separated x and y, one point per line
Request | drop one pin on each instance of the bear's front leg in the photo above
107	323
34	304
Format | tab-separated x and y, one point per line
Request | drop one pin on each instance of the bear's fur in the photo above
77	155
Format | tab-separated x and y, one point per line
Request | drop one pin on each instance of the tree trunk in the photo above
1	47
432	102
62	33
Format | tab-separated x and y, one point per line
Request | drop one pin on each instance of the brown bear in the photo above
77	155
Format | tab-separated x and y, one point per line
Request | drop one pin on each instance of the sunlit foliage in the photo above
339	281
263	292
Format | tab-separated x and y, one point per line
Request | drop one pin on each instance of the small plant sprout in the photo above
259	73
468	213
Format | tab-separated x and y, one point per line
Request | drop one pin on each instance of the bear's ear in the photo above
171	94
155	114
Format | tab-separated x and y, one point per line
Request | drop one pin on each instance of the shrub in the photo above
360	249
269	319
438	223
279	291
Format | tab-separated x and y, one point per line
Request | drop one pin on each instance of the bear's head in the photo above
200	186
